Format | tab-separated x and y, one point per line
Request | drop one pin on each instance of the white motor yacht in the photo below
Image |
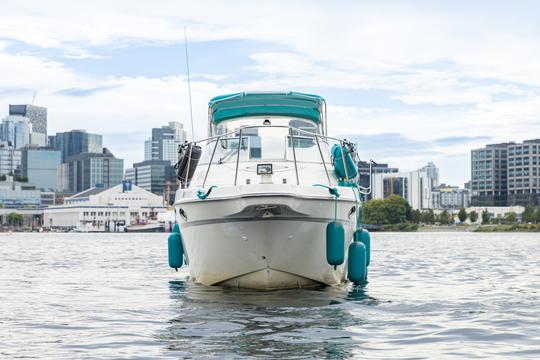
268	200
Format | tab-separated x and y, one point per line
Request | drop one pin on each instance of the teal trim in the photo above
293	104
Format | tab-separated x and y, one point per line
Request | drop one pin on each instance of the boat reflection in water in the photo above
310	323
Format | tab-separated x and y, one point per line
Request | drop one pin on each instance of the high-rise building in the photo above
163	145
36	114
413	186
524	173
489	178
85	170
363	173
40	166
433	172
157	176
10	159
15	130
76	142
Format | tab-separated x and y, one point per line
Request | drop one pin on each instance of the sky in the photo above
409	81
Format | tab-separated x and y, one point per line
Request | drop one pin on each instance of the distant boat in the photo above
149	227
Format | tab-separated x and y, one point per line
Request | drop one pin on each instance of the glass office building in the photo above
40	166
86	170
157	176
75	142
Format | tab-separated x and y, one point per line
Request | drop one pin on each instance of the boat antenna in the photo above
189	86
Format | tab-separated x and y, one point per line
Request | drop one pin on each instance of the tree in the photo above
444	217
14	219
528	215
485	217
510	217
374	212
415	216
462	215
473	216
408	212
3	177
427	216
537	216
395	209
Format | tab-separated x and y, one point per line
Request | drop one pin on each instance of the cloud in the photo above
85	91
439	71
452	140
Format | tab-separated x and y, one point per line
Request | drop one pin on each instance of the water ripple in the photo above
444	295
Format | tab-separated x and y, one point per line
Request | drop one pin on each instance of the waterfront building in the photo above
489	178
86	170
15	130
17	194
524	173
36	114
414	186
157	176
163	145
31	217
40	167
449	197
496	212
10	159
105	209
76	142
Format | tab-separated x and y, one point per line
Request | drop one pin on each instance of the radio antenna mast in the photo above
189	86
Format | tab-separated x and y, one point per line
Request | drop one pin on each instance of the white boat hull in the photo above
263	240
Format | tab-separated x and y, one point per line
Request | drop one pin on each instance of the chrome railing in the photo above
291	131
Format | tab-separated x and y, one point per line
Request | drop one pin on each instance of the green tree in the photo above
473	216
510	218
485	217
415	216
374	212
3	177
444	217
462	215
14	219
408	212
537	216
395	209
427	216
528	215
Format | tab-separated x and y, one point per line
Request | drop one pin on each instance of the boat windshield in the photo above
235	124
265	142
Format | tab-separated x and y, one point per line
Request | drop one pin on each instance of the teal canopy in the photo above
293	104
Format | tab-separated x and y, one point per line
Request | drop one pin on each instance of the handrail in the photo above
210	162
294	156
238	155
266	126
323	162
291	129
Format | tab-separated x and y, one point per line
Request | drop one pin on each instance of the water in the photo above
430	295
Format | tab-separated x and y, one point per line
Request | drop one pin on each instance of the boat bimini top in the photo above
249	104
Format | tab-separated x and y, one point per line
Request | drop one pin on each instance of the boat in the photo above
146	227
268	200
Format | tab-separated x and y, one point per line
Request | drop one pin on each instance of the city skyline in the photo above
402	80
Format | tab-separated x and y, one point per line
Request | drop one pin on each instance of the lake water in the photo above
430	295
